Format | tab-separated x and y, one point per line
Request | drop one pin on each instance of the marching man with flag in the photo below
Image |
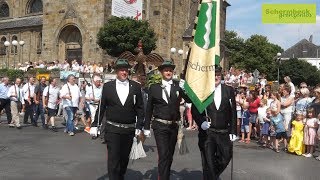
214	107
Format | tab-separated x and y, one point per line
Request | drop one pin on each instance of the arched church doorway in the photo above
70	44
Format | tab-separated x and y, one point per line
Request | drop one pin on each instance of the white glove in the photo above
232	137
181	84
147	133
205	125
138	131
93	131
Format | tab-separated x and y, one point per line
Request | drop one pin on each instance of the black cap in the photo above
166	63
121	63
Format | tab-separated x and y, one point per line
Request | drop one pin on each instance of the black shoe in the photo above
103	142
35	124
45	126
19	127
54	129
94	137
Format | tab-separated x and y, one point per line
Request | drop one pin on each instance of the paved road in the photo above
37	154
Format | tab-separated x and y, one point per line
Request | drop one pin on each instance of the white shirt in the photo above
74	93
217	96
65	66
53	96
17	92
122	90
99	70
26	90
167	86
97	91
75	67
262	113
293	89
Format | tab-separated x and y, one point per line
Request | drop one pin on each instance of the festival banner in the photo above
205	53
127	8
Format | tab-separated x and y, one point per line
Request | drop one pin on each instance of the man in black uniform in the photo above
163	104
217	128
123	105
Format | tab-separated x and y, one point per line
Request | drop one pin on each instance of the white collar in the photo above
125	82
164	82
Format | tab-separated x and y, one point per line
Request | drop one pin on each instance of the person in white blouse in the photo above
16	97
50	100
29	101
70	94
93	96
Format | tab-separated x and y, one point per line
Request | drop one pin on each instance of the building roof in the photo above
21	22
302	49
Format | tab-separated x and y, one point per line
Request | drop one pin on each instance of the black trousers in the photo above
166	139
119	147
29	108
5	104
216	153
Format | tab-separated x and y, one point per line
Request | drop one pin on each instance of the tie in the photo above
18	93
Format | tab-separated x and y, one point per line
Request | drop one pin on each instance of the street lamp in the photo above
173	50
7	44
279	62
21	53
15	44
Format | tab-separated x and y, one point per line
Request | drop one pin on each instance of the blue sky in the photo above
244	17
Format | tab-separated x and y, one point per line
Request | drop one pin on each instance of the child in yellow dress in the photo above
296	144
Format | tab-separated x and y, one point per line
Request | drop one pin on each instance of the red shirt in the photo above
254	105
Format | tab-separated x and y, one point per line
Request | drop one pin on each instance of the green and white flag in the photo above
205	53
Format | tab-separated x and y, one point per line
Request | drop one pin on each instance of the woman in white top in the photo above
287	102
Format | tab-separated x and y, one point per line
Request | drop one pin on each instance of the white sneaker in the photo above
308	155
71	133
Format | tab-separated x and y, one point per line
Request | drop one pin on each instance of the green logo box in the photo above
289	13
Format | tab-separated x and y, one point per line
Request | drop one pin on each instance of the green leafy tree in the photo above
123	34
299	71
254	53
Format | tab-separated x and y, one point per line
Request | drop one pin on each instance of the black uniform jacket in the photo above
157	107
224	118
131	112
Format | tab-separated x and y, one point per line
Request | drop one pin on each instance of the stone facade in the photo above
67	29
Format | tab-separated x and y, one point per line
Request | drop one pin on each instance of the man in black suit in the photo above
163	104
122	104
218	129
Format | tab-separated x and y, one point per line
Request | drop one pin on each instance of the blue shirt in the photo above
277	122
245	118
4	91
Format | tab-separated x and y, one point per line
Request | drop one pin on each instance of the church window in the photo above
35	6
39	43
155	13
2	47
4	10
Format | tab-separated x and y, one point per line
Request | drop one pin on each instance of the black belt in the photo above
164	121
219	130
126	126
93	103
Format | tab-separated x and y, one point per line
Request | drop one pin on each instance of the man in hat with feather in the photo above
218	129
122	104
164	105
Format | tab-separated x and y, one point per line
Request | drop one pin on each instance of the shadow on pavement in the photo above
152	175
